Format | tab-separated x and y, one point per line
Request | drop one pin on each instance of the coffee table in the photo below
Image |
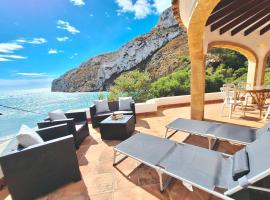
120	129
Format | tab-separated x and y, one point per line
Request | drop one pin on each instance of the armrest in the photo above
53	132
93	111
132	105
53	162
77	116
69	122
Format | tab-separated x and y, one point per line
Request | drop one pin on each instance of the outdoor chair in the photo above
42	168
267	112
229	99
96	118
243	176
215	131
77	125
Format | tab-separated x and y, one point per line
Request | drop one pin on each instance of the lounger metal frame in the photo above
160	171
209	136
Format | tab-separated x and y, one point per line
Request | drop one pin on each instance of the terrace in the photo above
100	180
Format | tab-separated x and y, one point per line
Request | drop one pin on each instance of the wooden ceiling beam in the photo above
225	11
221	5
265	29
237	12
250	21
257	25
260	6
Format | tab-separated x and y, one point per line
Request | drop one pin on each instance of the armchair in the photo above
76	123
39	169
96	118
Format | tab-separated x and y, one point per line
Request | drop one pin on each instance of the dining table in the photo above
258	94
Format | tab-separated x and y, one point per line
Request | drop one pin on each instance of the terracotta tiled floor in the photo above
101	181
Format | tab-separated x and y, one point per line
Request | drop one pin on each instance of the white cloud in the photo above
33	41
8	57
161	5
31	74
62	39
9	47
55	51
128	28
77	2
141	8
4	60
66	26
73	56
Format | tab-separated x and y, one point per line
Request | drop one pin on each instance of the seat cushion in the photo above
80	125
103	114
28	137
57	115
125	112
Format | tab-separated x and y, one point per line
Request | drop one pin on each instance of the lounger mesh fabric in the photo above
201	167
183	160
234	133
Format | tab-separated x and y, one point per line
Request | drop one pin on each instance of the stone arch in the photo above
267	55
246	51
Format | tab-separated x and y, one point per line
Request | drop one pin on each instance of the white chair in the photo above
228	94
267	113
246	96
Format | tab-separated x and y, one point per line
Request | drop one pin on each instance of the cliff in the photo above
157	52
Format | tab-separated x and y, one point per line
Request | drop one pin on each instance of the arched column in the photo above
253	60
201	12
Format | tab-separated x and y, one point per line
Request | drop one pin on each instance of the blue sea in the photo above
38	102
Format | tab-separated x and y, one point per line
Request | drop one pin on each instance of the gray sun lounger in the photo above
203	168
216	131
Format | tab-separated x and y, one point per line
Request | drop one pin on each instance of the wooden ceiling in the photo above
240	16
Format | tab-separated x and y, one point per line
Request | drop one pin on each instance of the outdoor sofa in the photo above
242	176
114	107
215	131
77	125
39	169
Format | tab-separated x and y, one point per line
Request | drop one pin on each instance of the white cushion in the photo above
101	106
57	115
124	103
27	137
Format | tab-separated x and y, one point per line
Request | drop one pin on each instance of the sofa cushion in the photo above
101	106
57	115
103	114
28	137
125	112
80	125
124	103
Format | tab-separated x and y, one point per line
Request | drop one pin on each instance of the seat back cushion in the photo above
124	103
240	164
101	106
28	137
57	115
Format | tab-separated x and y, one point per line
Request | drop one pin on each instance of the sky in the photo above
42	39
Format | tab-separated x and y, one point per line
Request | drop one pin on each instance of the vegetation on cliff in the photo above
230	67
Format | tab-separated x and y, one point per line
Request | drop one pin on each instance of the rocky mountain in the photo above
157	52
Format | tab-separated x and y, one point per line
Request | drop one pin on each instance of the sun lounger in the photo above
203	168
216	131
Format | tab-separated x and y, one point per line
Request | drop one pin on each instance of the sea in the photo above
32	105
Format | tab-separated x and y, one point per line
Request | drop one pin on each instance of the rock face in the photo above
144	52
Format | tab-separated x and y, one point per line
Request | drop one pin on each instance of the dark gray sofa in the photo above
77	125
39	169
96	118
